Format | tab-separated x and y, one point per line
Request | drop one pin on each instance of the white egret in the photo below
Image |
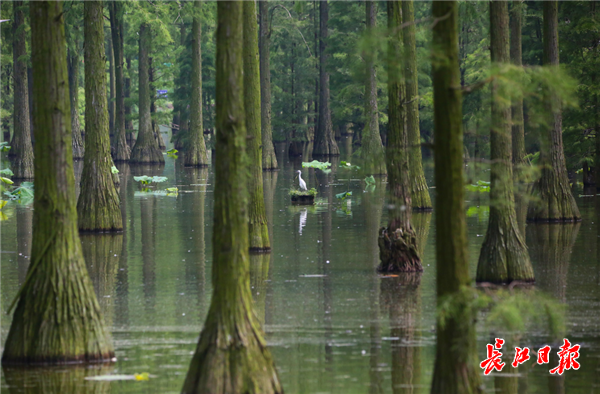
301	181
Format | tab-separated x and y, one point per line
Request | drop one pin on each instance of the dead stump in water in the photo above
398	251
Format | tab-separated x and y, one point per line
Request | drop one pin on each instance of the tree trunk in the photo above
553	200
21	147
98	204
397	242
128	121
146	148
516	58
73	65
455	369
195	153
232	356
111	91
258	230
503	256
122	151
177	110
372	149
155	126
325	144
54	324
269	160
418	185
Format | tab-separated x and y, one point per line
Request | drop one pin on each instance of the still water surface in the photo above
333	324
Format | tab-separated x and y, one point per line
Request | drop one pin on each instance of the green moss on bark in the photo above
73	65
21	151
98	204
418	185
504	257
232	355
146	148
455	370
269	160
57	318
516	58
258	231
195	152
552	198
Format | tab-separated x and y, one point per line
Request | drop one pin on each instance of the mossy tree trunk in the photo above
73	65
98	204
122	151
195	152
54	324
325	144
232	355
373	155
503	257
111	90
155	126
516	58
21	148
553	200
146	148
455	369
258	230
269	160
397	242
418	185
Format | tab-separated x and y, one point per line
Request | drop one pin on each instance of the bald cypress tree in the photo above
455	370
146	149
232	355
372	149
54	323
258	230
98	205
503	256
73	61
195	152
398	242
419	190
269	160
516	58
21	148
325	144
116	10
553	200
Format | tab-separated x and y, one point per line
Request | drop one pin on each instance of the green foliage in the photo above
295	192
146	180
343	196
114	170
370	180
344	165
482	212
172	153
323	166
23	194
4	147
480	187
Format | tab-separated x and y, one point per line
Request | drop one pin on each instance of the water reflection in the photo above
57	380
24	236
259	276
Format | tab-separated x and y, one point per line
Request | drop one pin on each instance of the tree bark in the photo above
21	149
503	257
269	159
122	151
195	152
553	200
258	230
232	356
73	65
516	58
146	148
98	204
398	242
418	185
455	369
325	144
111	92
155	126
128	121
54	323
372	149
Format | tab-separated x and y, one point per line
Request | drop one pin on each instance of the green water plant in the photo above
4	147
296	193
146	180
320	165
479	187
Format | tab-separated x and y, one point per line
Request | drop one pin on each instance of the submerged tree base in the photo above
147	154
398	251
232	361
552	201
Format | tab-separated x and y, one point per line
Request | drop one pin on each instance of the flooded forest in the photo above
266	197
